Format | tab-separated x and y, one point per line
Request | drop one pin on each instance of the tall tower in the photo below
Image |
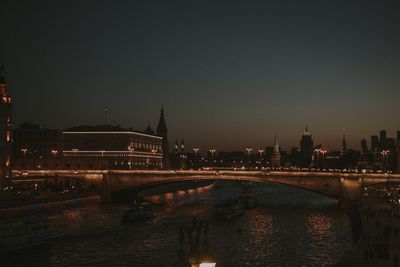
163	132
306	148
5	130
364	147
383	139
276	154
344	146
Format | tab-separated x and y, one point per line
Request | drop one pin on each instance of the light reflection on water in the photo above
289	227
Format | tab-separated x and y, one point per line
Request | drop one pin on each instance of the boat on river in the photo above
137	211
33	231
229	209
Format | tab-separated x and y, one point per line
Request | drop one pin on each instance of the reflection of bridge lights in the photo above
155	199
169	196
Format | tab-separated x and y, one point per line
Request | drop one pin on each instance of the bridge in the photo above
115	183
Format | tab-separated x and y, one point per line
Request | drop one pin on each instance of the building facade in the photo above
87	148
121	149
5	130
32	141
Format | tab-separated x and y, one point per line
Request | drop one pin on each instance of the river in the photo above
289	227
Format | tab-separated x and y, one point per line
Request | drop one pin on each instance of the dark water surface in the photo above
290	227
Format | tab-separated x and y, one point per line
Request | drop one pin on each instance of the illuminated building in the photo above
5	130
32	141
306	148
276	155
86	148
112	148
374	143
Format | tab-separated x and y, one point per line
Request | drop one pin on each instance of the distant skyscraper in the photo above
163	132
398	135
364	146
5	130
374	143
383	139
306	148
276	154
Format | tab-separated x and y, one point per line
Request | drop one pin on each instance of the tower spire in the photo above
344	145
162	131
276	144
276	155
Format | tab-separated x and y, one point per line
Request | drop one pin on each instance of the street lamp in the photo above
54	152
212	151
385	154
131	148
261	151
249	149
196	150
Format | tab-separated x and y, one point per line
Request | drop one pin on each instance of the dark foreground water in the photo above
290	227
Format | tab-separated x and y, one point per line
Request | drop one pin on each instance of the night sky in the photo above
229	74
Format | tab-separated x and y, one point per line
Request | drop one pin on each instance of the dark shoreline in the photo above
350	207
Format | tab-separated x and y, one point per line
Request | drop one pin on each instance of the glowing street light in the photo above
261	152
212	151
249	149
196	150
54	152
131	148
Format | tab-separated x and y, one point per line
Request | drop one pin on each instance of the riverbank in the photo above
378	243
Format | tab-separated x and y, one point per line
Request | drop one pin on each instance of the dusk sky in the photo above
229	74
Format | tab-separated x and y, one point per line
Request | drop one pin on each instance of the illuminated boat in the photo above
24	234
137	211
229	209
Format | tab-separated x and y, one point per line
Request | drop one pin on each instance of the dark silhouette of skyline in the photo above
228	74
